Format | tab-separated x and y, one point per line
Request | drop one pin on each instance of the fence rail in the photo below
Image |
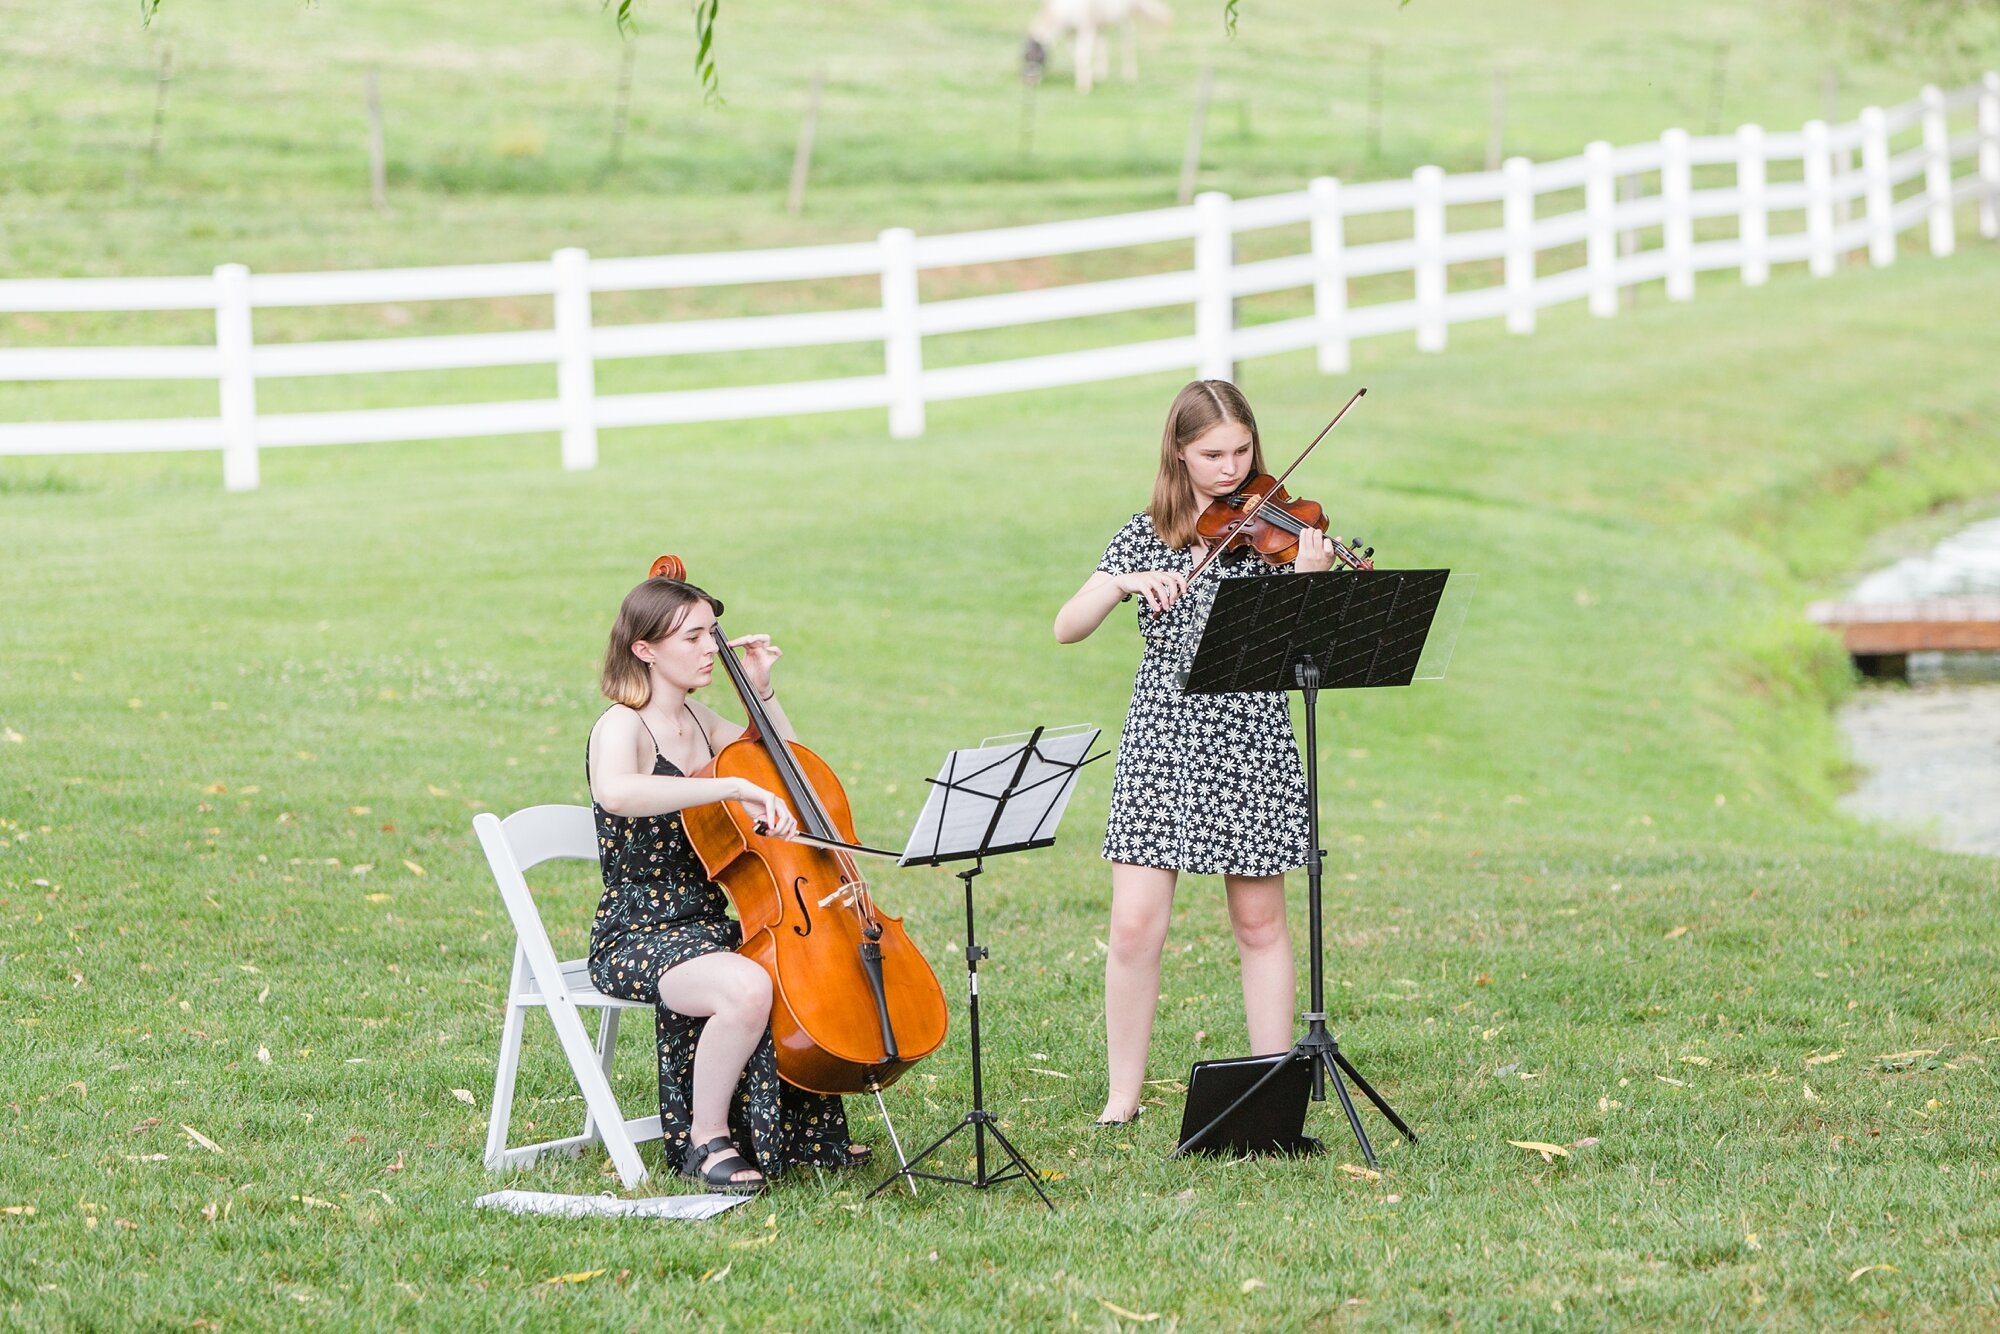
1848	195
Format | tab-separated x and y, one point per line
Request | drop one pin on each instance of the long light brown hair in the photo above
650	612
1198	408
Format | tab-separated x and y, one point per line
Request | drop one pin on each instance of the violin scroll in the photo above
1352	554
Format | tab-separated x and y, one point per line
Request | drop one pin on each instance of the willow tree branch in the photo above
705	12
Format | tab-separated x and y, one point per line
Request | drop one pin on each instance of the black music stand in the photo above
1312	632
997	798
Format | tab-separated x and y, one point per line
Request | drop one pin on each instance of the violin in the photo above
1263	517
1275	521
853	1002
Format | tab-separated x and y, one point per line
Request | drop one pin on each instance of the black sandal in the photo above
858	1155
718	1179
1137	1112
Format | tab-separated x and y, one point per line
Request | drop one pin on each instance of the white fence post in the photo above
1677	230
1600	203
902	348
1329	251
1214	311
1881	196
1989	155
1843	172
1937	170
237	381
1819	200
1517	219
1428	229
576	371
1753	219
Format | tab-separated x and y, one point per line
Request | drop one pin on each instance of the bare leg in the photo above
734	996
1264	945
1142	902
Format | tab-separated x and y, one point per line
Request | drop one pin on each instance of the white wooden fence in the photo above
1846	165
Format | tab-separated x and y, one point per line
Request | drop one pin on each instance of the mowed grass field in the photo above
1587	892
1590	892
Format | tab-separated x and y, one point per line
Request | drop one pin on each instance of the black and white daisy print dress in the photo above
1209	784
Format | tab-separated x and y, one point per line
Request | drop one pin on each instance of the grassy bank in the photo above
1588	892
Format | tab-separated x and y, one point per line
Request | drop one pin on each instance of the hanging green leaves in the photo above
704	57
704	37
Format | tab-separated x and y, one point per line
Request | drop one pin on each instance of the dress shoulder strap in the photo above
699	728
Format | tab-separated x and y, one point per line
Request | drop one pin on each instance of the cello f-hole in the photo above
798	894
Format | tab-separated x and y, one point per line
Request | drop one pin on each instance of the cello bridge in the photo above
846	895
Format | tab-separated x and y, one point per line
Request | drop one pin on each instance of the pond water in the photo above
1931	749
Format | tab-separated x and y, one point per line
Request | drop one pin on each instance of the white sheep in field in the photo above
1087	18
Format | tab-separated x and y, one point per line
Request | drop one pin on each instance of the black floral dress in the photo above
660	909
1209	784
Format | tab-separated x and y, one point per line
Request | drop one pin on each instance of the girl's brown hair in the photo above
1198	408
650	612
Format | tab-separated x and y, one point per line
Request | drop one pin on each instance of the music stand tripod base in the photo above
980	1121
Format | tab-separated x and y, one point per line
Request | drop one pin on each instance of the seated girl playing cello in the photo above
663	934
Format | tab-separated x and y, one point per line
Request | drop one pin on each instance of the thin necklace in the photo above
680	728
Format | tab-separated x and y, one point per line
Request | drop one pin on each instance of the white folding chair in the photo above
517	844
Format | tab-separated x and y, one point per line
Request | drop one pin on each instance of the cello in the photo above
853	1002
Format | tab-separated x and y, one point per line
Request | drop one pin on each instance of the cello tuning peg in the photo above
1367	553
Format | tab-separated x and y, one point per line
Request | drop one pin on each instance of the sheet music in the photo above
960	807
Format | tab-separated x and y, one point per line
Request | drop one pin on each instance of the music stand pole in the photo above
1318	1043
983	1122
974	952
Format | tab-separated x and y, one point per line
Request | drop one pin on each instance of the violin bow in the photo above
1250	510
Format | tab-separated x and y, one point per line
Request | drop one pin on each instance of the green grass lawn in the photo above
1592	891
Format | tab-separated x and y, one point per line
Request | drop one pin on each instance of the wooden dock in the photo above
1882	635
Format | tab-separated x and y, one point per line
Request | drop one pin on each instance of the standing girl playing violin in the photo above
1209	784
662	933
